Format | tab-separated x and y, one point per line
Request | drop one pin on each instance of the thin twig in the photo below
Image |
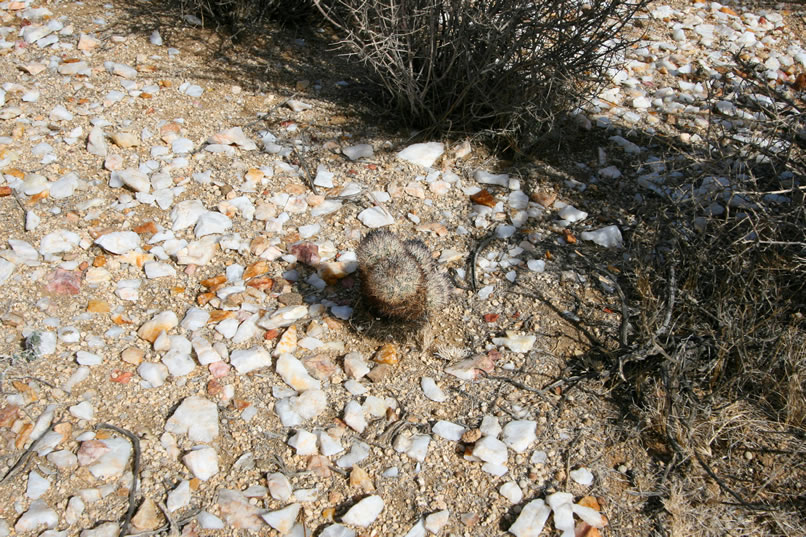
124	527
726	488
308	176
664	327
23	459
481	246
171	524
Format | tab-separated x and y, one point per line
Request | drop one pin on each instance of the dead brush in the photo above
717	358
507	68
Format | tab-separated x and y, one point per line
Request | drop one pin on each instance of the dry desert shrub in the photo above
503	67
716	358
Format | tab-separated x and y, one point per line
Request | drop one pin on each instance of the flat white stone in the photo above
355	152
119	242
418	530
511	491
157	269
209	521
202	463
490	449
375	217
247	360
536	265
113	462
279	486
431	390
337	530
120	69
519	434
211	222
178	363
418	450
608	237
60	113
328	445
355	365
423	154
611	172
531	520
38	515
154	374
186	213
448	430
436	521
354	416
488	178
572	214
304	443
282	520
195	318
583	476
358	452
285	316
37	485
179	497
58	242
516	342
364	512
588	515
132	178
197	417
198	252
82	410
294	373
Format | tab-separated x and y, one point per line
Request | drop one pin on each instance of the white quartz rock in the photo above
423	154
364	512
279	486
436	521
154	374
375	217
519	434
202	462
37	485
608	236
531	520
247	360
132	178
58	242
210	223
572	214
113	462
355	152
283	317
337	530
431	390
186	213
583	476
283	520
304	443
354	416
119	242
490	449
294	373
448	430
38	515
511	491
179	497
197	417
516	342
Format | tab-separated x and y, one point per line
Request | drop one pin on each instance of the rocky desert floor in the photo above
180	216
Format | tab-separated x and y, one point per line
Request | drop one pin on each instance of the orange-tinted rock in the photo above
483	197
